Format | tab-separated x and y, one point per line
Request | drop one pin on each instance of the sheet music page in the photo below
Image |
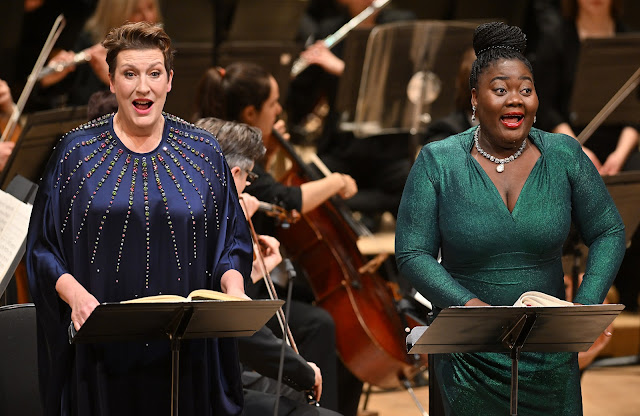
14	224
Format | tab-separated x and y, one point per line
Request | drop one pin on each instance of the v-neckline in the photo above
496	192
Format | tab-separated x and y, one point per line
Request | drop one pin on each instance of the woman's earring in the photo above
535	118
473	116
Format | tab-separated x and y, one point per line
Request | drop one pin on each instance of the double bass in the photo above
370	331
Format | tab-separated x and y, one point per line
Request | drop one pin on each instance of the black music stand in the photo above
513	330
111	322
604	65
40	133
624	189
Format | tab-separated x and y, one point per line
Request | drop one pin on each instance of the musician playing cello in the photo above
247	93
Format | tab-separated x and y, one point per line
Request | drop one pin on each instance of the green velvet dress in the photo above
450	205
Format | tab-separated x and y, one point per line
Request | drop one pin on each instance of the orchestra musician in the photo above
6	108
135	221
475	197
379	164
247	93
612	148
260	354
74	83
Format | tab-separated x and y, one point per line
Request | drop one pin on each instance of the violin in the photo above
271	289
284	217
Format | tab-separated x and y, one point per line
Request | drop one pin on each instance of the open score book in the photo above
198	294
534	298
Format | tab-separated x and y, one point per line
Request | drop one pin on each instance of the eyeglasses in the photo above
251	176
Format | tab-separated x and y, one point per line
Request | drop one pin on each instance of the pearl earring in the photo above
535	118
473	116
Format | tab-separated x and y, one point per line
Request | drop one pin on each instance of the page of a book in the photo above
533	298
198	294
14	224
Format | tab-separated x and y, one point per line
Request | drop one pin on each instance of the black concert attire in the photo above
312	327
260	358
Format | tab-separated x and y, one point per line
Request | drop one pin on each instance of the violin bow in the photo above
54	33
270	286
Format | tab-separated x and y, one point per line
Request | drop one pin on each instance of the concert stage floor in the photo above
605	391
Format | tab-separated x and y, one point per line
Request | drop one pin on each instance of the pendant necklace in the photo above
500	162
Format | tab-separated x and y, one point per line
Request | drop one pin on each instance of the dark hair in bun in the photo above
493	41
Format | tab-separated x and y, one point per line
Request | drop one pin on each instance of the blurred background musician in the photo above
612	147
379	166
246	93
260	353
74	84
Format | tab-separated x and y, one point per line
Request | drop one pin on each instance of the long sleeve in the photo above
261	353
418	239
600	226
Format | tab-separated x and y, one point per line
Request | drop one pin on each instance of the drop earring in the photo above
473	116
535	118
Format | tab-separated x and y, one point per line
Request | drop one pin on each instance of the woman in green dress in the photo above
497	202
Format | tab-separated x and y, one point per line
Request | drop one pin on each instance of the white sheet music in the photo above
14	224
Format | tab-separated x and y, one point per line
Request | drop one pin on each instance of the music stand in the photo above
110	322
604	64
355	45
39	135
514	330
24	190
398	55
624	189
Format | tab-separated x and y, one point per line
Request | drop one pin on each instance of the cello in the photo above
370	331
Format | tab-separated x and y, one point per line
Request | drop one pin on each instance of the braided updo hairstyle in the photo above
493	41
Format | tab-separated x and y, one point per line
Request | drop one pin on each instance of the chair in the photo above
19	391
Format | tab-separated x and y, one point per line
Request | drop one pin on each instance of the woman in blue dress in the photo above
134	204
497	202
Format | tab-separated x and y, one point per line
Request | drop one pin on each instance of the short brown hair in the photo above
140	35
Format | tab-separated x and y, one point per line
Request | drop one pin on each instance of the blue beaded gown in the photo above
451	204
128	225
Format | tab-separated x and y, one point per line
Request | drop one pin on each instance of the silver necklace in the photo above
500	162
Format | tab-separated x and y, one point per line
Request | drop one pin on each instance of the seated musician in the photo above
6	108
247	93
242	146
